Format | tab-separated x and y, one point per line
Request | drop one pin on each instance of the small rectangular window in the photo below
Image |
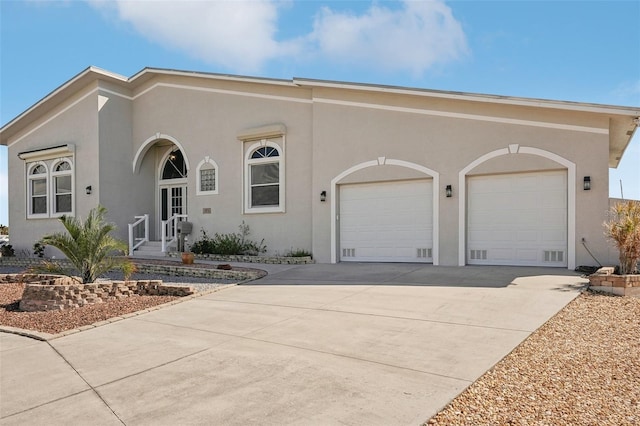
207	180
38	196
265	186
63	194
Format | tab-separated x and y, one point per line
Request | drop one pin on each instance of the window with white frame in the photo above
264	178
37	186
62	187
50	188
207	180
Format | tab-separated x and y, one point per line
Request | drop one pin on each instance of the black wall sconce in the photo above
448	190
587	183
88	190
323	196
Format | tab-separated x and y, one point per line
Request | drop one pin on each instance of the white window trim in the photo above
248	161
53	174
207	160
30	168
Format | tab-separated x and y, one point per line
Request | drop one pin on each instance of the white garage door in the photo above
387	222
517	219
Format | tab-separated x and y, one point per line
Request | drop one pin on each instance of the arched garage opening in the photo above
385	220
519	218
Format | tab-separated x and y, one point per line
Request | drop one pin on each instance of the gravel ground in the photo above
57	321
580	368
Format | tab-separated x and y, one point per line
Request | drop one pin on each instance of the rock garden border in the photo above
273	260
56	292
605	281
199	271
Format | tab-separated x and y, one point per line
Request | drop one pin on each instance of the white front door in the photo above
173	201
387	221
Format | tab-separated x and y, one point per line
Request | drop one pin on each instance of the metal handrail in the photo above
132	227
169	234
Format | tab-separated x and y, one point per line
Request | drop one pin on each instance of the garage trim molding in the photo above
517	149
380	161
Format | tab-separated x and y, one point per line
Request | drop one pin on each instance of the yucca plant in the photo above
89	247
623	229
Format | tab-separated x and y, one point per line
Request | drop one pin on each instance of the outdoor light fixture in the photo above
449	191
323	196
88	190
587	183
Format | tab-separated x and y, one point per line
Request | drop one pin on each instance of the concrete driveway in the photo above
314	344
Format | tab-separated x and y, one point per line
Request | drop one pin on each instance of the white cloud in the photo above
417	36
236	34
241	35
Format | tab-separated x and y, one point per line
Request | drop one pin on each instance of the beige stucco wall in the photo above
76	123
206	123
348	135
328	131
120	191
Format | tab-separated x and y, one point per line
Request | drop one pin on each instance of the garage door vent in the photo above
348	252
478	255
424	253
554	256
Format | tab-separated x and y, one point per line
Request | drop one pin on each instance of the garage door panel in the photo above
518	219
527	236
527	255
557	236
387	221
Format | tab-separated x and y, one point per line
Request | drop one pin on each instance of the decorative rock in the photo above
47	292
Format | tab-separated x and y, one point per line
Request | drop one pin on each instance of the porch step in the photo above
149	249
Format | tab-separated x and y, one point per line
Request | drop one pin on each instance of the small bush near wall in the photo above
623	229
236	243
298	253
7	251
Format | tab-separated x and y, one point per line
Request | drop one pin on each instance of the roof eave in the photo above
474	97
90	73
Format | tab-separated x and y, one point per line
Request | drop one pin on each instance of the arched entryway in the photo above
172	187
162	163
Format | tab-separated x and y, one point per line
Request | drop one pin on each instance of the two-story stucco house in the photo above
350	172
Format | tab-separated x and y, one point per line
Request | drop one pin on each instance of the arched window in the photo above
62	187
174	166
37	183
207	177
264	178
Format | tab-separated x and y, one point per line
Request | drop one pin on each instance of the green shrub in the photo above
88	245
38	249
298	253
236	243
7	250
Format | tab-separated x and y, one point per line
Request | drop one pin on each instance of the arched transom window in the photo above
50	190
174	166
207	177
38	190
62	187
264	178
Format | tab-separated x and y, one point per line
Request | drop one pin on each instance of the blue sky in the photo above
586	51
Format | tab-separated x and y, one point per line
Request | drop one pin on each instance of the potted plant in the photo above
622	229
187	257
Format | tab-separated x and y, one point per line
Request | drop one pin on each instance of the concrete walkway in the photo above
313	344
